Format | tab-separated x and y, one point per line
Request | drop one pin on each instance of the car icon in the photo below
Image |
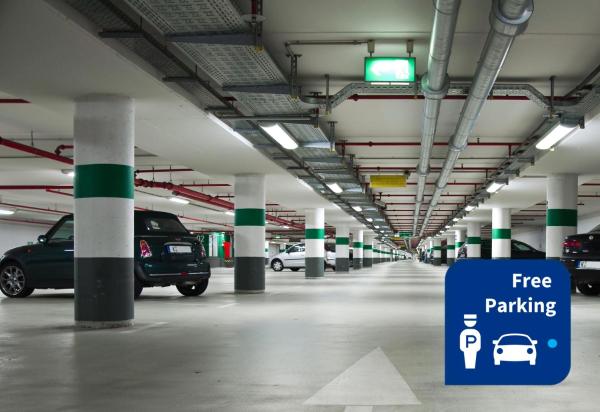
514	347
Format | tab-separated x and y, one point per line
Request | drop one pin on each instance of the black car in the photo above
165	254
518	250
581	255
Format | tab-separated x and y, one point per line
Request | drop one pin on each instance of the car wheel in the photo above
193	290
13	281
589	289
295	269
277	265
137	287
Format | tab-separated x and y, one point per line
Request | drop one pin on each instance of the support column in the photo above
357	246
458	242
342	246
450	254
103	192
430	250
249	233
501	233
368	251
473	240
437	252
315	243
561	216
377	252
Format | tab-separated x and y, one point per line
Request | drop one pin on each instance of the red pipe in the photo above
56	192
35	151
62	147
33	187
181	169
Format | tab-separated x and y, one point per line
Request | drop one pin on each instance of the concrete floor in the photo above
268	352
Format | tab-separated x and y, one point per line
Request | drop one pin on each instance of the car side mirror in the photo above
42	239
495	342
534	342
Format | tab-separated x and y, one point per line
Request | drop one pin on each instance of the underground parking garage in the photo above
260	205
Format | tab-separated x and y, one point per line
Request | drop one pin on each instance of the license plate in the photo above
180	249
588	264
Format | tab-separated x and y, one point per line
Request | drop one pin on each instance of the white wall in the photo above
534	236
588	222
19	234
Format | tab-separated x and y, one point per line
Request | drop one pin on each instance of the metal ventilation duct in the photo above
508	18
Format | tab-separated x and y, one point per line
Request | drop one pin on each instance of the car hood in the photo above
17	250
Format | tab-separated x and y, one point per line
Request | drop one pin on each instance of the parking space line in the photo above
226	306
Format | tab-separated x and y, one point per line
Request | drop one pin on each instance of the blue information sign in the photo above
508	322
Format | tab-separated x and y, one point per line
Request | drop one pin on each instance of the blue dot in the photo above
552	343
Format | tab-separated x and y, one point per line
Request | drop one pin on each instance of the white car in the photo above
514	347
293	258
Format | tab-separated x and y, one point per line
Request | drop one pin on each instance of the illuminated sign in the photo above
390	69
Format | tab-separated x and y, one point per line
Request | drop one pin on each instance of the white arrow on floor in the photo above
372	381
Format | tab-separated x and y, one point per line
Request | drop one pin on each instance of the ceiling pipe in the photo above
508	18
35	151
435	85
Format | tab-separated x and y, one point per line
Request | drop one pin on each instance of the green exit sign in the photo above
389	69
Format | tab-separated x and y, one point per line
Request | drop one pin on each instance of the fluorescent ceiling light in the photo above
376	227
286	227
555	135
469	208
6	212
456	219
494	187
335	188
447	226
357	208
232	132
369	219
230	213
179	200
281	136
68	172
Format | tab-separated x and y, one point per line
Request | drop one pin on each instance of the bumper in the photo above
581	275
179	276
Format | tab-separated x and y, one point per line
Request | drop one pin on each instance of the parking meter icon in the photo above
470	341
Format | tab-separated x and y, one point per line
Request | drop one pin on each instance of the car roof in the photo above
142	213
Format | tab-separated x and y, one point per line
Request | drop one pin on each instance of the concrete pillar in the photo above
377	252
458	241
450	254
357	252
368	251
473	240
561	215
103	192
501	233
437	251
249	233
342	246
430	250
315	243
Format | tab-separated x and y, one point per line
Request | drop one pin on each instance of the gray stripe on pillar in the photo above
450	261
315	267
342	264
249	274
104	292
356	263
367	262
436	261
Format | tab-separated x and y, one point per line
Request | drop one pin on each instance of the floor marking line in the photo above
150	326
226	306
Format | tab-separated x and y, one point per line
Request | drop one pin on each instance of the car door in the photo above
295	257
520	250
52	261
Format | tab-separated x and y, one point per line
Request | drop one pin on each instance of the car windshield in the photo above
63	232
595	230
164	225
521	247
515	340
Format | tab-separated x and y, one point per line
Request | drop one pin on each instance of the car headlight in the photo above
499	351
530	350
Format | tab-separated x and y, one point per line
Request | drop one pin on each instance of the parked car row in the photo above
581	255
294	258
165	254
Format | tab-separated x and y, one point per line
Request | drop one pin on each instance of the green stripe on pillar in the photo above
474	240
561	217
104	180
314	233
459	244
368	247
342	241
501	234
437	248
249	217
450	247
358	245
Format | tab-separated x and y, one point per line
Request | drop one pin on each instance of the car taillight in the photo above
572	244
202	251
145	250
